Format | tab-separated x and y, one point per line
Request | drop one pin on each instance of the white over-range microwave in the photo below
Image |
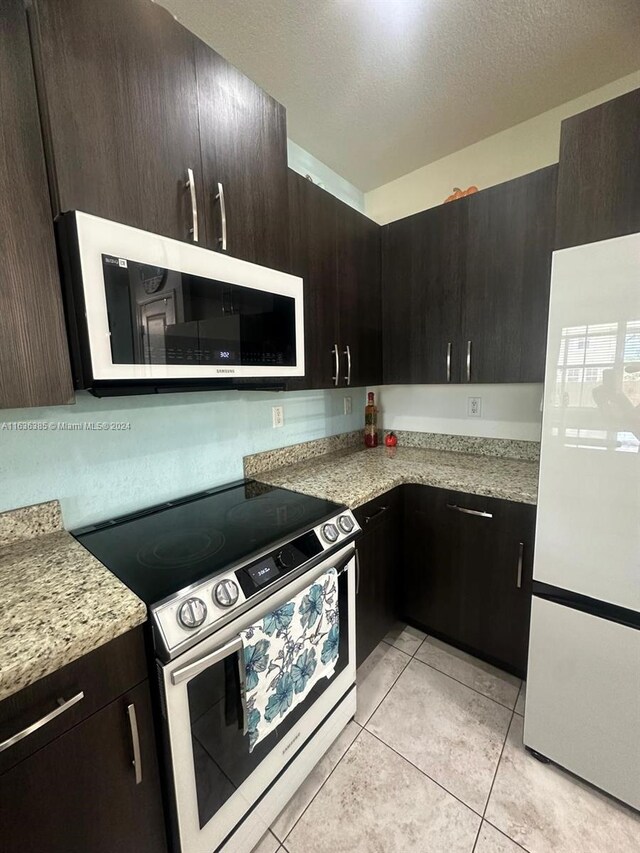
146	312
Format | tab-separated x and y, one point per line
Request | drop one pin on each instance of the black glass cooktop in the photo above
166	548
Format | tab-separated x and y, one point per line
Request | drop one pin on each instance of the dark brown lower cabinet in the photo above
380	561
468	566
72	786
80	794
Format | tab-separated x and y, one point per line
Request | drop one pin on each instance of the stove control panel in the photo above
193	612
333	532
199	608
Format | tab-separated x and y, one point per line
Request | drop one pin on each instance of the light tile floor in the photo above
434	763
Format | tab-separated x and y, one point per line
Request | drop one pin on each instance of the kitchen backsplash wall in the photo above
152	448
506	411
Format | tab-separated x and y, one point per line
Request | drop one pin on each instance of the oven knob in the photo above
226	593
345	523
286	558
192	613
329	532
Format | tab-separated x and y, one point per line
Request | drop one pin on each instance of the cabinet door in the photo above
244	149
379	561
313	256
79	793
510	230
359	297
34	358
599	173
438	268
423	265
397	301
118	90
468	570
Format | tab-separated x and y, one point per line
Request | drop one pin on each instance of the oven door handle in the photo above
198	666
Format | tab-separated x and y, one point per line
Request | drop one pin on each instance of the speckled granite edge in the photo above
269	460
28	522
356	477
504	448
58	601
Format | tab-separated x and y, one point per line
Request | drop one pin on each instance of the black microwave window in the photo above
162	316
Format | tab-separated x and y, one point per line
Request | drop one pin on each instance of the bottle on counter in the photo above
371	422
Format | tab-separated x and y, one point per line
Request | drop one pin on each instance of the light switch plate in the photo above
474	407
347	405
277	415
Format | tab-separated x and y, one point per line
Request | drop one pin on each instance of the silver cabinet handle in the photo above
336	355
378	512
520	560
449	362
222	239
63	705
468	361
470	511
347	352
135	742
357	572
191	186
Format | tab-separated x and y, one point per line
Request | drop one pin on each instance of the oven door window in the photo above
221	756
161	316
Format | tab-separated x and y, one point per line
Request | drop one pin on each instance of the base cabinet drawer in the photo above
468	572
82	793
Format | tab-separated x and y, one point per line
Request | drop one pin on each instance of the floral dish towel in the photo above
287	652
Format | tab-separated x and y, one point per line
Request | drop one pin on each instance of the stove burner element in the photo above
263	514
181	548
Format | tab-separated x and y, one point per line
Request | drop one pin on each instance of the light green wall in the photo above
304	163
176	444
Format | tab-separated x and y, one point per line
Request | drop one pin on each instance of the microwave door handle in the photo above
199	665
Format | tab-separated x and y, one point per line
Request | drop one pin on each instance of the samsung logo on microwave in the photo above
225	370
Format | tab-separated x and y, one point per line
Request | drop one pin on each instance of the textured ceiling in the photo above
377	88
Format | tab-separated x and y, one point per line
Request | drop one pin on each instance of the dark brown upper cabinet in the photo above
118	94
336	250
423	268
508	246
599	174
34	358
359	297
244	163
313	257
466	286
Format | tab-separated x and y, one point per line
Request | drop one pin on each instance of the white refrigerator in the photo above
583	683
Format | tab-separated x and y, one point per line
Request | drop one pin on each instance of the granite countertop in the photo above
58	602
356	476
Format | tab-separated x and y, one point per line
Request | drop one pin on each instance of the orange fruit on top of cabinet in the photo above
458	193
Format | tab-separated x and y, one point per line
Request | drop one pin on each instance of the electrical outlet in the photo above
277	415
474	407
347	405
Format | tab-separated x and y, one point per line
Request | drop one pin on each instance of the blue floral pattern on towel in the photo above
302	647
